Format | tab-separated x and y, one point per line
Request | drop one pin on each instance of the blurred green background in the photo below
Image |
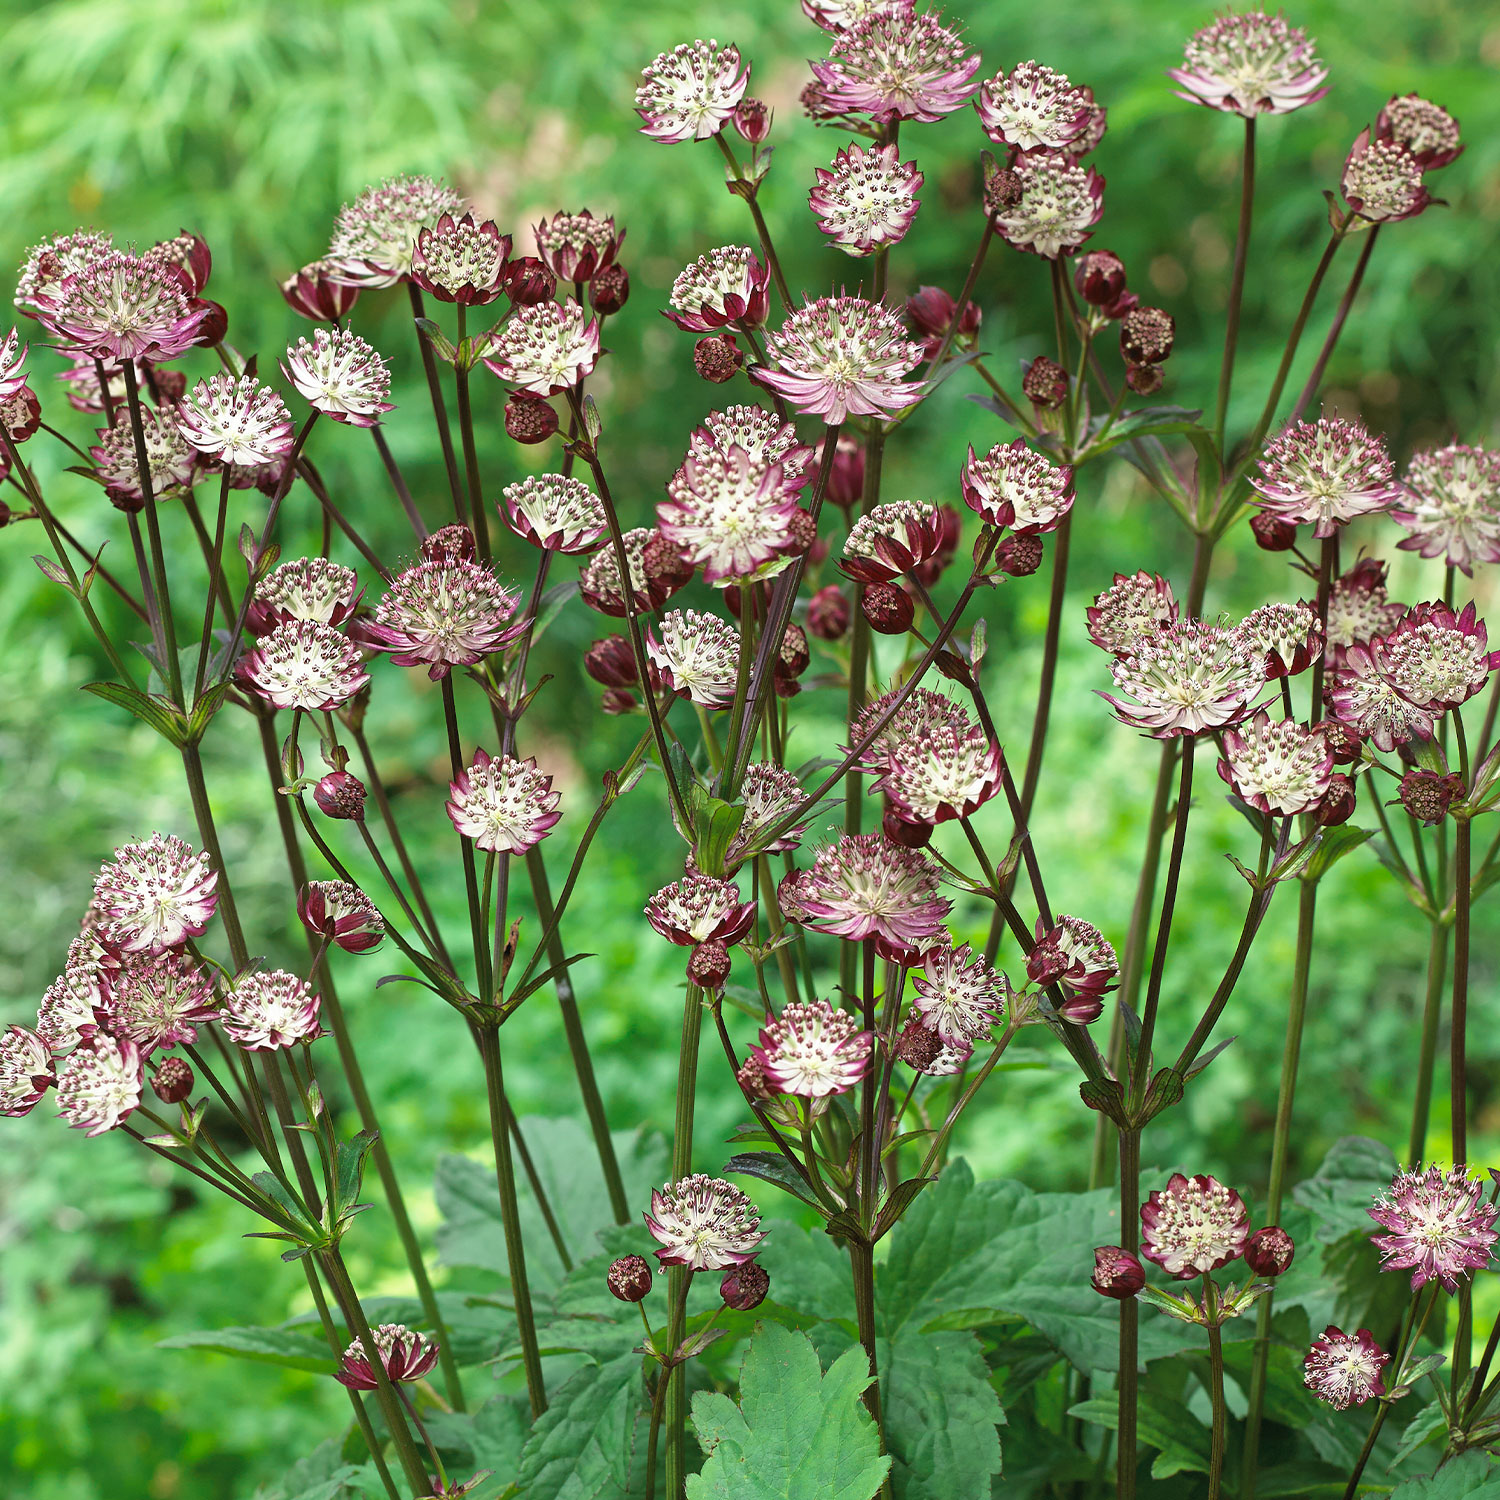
249	121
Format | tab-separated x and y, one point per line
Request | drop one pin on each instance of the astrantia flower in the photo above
1194	1226
1277	765
49	264
71	1003
461	260
1287	636
159	1000
1450	505
505	805
891	540
268	1010
1012	485
1074	953
1130	612
404	1354
599	583
703	1223
731	514
943	773
1440	1227
958	994
315	294
342	913
154	895
12	366
763	435
689	93
1345	1371
26	1071
1190	678
555	512
1059	205
375	236
1034	108
21	413
1427	130
697	908
868	200
864	886
840	15
1251	64
442	615
545	348
188	254
897	65
339	374
1325	473
812	1050
237	421
1435	658
170	460
839	357
921	714
307	588
697	656
725	286
120	306
303	664
1382	180
769	792
1359	608
100	1084
1363	696
577	246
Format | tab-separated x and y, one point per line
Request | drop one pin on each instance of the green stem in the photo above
1382	1412
1216	1387
1432	1010
678	1276
1130	1314
1050	644
1458	1016
216	569
439	407
471	455
1237	281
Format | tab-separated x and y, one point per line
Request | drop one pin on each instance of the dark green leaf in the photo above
1335	844
271	1346
1180	1439
591	1437
1340	1193
771	1166
160	713
1471	1476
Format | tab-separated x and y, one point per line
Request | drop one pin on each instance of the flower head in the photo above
601	588
504	805
12	366
689	93
169	459
99	1086
1382	180
945	771
839	357
375	237
1440	1227
1277	765
1034	108
303	664
72	1003
1075	954
462	260
1364	697
812	1050
1130	612
1324	474
26	1071
868	200
237	421
697	656
154	895
959	996
1059	205
555	512
731	513
703	1223
1013	485
49	264
159	1000
1359	608
342	913
1117	1273
919	715
769	792
1427	130
271	1009
698	908
891	540
1436	659
1345	1371
762	435
306	588
1190	678
840	15
726	286
896	65
1450	506
119	306
443	615
1251	64
315	293
340	374
1288	637
545	348
404	1354
1195	1225
576	247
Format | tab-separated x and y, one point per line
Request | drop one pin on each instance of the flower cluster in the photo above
689	93
1324	474
1449	506
723	287
1014	486
1189	678
1249	64
1193	1226
896	64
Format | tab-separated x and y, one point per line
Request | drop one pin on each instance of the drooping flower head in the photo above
769	792
723	287
72	1003
1117	1273
26	1071
375	237
169	460
339	374
1076	955
697	656
576	247
1277	765
891	539
404	1354
1013	485
1033	108
459	259
1059	204
1251	64
1382	180
812	1050
689	93
698	909
99	1086
159	1000
49	264
154	895
703	1223
236	421
1440	1227
1190	678
316	294
1427	130
442	615
1324	474
1193	1226
730	513
306	588
868	200
1450	506
545	347
271	1009
897	65
342	913
505	805
1288	637
303	664
555	512
839	357
959	996
1130	612
119	306
1344	1370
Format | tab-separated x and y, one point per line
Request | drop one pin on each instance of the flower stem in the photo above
471	454
1236	281
1050	645
1337	327
398	483
761	228
678	1277
1458	1018
1216	1391
1432	1010
1130	1314
439	407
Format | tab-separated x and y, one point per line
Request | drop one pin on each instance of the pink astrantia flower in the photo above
1034	107
1324	474
1288	637
303	664
1382	181
49	264
1345	1371
72	1003
839	357
119	306
697	656
769	792
1117	1273
1437	659
12	366
868	200
545	348
840	15
1359	608
1440	1227
959	996
1059	205
864	886
812	1050
339	374
404	1354
268	1010
921	714
731	514
1251	64
1277	765
26	1071
941	773
762	435
891	540
1450	506
306	588
236	421
600	586
462	260
442	615
505	805
689	93
703	1223
375	237
1190	678
576	247
1012	485
699	908
1195	1225
154	895
1427	130
897	65
555	512
170	461
159	1000
1363	696
99	1086
189	255
1076	955
725	287
1130	612
342	913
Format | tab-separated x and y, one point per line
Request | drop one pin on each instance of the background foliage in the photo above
249	122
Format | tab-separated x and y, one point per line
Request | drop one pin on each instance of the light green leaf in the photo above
1471	1476
591	1436
271	1346
1340	1192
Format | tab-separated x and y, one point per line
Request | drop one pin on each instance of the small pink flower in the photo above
556	513
1450	506
1440	1226
545	348
459	259
236	421
268	1010
868	200
1034	108
119	306
1188	679
576	247
1117	1273
159	1000
1345	1371
699	908
303	664
690	93
812	1050
1076	955
891	539
339	374
100	1084
1249	64
306	588
1427	130
342	913
506	805
1382	181
1287	636
731	514
1193	1226
443	614
1324	474
896	65
1059	205
1130	612
959	996
317	295
26	1071
170	461
405	1355
727	287
769	792
1014	486
697	656
154	895
703	1223
1277	765
12	366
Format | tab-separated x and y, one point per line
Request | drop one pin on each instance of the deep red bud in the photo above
753	120
529	419
717	358
341	795
1337	805
212	329
610	289
1099	277
629	1278
529	281
314	294
1146	335
1343	743
1045	383
1269	1251
887	608
908	835
1117	1273
1272	534
929	310
918	1046
828	613
1020	556
611	662
618	701
846	475
708	966
172	1082
1427	795
745	1287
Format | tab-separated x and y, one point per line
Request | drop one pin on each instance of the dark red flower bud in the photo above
918	1046
1046	963
909	835
529	281
794	656
752	118
846	476
629	1278
1002	187
1117	1273
610	289
708	965
7	515
1338	801
1427	796
453	543
1343	743
1124	303
529	419
887	608
828	613
1099	277
1144	380
212	329
172	1081
929	310
745	1287
717	358
314	294
1146	335
1272	534
802	529
1045	383
1020	556
167	386
1269	1251
930	569
1080	1008
22	414
618	701
611	662
341	795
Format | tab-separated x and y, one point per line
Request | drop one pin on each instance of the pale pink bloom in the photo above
1324	474
443	615
268	1010
555	512
339	374
1014	486
505	805
99	1086
868	200
374	237
306	588
545	348
697	656
303	664
1034	107
154	895
897	65
812	1050
724	287
26	1071
1345	1371
119	306
1426	129
1189	678
1130	612
1382	180
1277	765
959	996
1440	1226
404	1354
689	93
699	908
1195	1225
1450	506
1249	64
1059	205
703	1223
236	421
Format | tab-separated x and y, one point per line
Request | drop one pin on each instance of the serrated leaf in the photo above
591	1437
1340	1193
1428	1423
160	713
1470	1476
1180	1439
349	1169
287	1347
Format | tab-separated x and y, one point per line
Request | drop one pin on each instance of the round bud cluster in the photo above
1427	796
744	1287
887	608
1045	383
717	358
629	1278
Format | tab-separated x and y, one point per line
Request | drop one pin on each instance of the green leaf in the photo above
491	1438
324	1475
591	1437
715	825
1471	1476
796	1434
349	1170
1426	1425
268	1346
160	713
773	1167
1180	1439
1332	847
1340	1192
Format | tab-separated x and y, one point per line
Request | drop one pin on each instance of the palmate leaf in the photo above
289	1347
324	1475
1180	1439
1471	1476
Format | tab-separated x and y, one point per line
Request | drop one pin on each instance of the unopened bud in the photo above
794	656
1099	277
909	834
1002	187
529	419
1144	380
708	967
618	701
1146	335
802	529
314	294
745	1287
918	1046
1020	556
341	795
1344	745
610	289
611	662
1272	534
1269	1251
828	613
212	329
172	1081
1338	801
1045	383
717	358
629	1278
887	608
1427	795
846	475
1117	1273
529	281
752	119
